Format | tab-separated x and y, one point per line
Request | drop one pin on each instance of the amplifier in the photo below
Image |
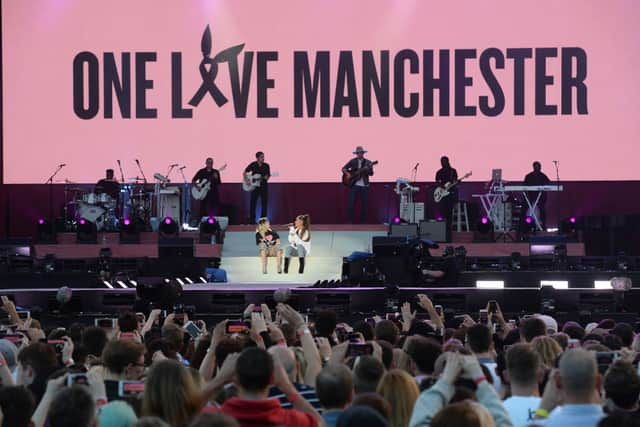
434	230
403	230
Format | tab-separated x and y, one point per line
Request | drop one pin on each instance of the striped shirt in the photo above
307	393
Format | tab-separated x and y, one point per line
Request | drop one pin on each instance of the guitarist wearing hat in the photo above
356	175
207	182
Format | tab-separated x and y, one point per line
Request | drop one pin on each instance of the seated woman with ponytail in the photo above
299	242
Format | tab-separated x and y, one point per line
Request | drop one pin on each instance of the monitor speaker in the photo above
433	230
403	230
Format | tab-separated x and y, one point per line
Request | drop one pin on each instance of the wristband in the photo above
542	413
479	380
293	397
304	331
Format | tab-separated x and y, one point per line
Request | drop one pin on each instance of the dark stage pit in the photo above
213	302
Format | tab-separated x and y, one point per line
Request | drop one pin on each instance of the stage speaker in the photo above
403	230
433	230
389	246
175	247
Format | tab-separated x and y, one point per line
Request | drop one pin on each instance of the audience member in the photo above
367	373
334	387
401	391
524	372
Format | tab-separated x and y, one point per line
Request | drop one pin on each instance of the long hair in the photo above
171	393
401	391
306	224
263	226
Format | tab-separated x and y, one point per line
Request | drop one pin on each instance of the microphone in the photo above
183	167
118	162
174	165
416	166
137	161
62	165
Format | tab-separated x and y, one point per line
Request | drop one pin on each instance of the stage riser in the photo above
229	303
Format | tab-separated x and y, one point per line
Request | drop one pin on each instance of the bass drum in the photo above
89	212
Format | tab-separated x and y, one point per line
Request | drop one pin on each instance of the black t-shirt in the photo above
213	176
536	178
445	175
269	238
110	187
256	168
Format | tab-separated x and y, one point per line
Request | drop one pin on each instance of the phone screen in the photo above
237	327
484	317
358	349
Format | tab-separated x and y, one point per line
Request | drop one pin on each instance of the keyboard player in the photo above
537	177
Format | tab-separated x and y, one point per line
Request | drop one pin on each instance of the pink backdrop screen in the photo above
41	39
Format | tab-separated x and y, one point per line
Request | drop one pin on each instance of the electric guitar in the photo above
202	186
443	191
253	181
350	178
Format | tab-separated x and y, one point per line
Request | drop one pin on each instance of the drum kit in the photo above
101	209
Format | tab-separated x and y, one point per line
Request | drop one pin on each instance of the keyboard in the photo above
508	188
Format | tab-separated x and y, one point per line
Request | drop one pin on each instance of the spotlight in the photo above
87	232
397	220
484	230
439	218
168	227
130	230
527	227
46	231
210	231
569	226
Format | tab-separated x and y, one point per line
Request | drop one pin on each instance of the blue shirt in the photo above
331	417
583	415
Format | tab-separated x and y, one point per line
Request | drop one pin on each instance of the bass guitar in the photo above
443	191
350	178
201	187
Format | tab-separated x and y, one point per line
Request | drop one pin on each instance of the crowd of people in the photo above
275	367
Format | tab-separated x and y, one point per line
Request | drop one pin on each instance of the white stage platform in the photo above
241	259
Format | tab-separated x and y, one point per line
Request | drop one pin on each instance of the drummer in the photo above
109	186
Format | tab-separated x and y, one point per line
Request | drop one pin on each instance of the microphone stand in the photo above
126	189
50	182
555	162
144	178
186	197
414	179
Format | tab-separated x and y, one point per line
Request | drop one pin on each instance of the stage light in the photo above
397	220
87	232
528	220
46	231
210	231
490	284
439	218
483	231
555	284
107	284
130	230
168	228
602	284
569	226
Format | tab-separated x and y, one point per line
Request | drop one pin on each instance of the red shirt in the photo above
251	413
